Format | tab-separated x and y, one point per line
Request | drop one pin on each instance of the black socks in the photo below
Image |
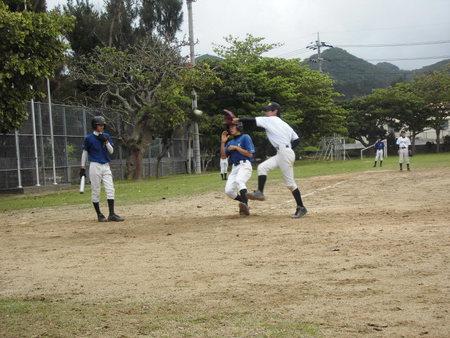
111	207
298	197
261	182
97	207
242	197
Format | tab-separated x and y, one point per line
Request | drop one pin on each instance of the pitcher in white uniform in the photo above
284	139
403	145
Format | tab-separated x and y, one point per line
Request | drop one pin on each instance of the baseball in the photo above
198	112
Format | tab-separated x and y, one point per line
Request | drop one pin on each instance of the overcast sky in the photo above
295	24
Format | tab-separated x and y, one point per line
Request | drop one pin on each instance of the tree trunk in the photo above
134	162
438	140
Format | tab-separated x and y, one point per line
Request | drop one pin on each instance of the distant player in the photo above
283	138
379	151
403	145
223	162
97	147
240	149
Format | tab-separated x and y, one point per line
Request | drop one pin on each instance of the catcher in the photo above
240	149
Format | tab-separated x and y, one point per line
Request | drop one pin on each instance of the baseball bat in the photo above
82	182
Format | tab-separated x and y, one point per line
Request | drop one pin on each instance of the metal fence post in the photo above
41	132
19	174
68	171
36	160
51	130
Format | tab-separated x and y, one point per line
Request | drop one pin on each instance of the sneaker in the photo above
300	212
256	195
115	218
244	209
101	218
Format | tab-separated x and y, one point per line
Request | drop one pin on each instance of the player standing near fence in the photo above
284	139
403	145
379	150
97	147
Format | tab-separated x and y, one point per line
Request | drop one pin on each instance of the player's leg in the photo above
286	161
263	169
231	185
107	180
381	158
243	175
400	159
223	168
95	176
407	159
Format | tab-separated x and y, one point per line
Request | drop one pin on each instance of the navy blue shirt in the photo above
379	145
96	149
243	141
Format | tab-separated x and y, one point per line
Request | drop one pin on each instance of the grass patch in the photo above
33	317
151	190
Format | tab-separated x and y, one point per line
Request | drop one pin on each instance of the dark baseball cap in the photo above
272	106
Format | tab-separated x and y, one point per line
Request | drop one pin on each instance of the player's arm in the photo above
247	148
84	156
242	151
248	122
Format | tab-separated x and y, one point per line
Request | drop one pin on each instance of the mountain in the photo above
356	77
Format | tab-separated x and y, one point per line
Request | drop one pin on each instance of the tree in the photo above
403	108
434	88
146	88
161	17
249	81
30	49
364	122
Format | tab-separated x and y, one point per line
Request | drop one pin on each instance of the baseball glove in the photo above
228	117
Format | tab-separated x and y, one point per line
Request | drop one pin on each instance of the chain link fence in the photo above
46	150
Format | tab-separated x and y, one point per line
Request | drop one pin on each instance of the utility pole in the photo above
196	138
316	46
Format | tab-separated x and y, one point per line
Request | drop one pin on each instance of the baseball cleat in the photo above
256	195
115	218
244	209
102	218
300	212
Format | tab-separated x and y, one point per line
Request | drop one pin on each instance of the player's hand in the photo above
102	138
82	172
224	137
230	148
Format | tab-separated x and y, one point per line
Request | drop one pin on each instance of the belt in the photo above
282	146
239	162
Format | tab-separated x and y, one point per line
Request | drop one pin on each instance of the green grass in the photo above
36	317
151	190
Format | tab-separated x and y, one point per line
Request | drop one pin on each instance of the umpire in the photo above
97	147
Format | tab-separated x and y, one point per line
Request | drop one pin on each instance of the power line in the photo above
394	59
397	44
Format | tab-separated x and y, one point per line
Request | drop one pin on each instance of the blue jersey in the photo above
96	149
243	141
379	145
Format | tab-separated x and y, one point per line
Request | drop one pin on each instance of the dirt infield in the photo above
372	257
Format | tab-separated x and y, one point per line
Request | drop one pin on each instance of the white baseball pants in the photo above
99	173
403	153
284	159
379	155
238	178
223	165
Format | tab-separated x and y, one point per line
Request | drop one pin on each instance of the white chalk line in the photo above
314	192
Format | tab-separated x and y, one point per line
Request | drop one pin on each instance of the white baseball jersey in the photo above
280	135
278	132
403	142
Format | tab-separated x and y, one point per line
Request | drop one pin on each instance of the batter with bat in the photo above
240	149
284	139
97	147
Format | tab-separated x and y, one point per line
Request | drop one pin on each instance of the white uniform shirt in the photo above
278	132
403	142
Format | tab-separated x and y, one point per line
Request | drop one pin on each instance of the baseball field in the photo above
371	258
